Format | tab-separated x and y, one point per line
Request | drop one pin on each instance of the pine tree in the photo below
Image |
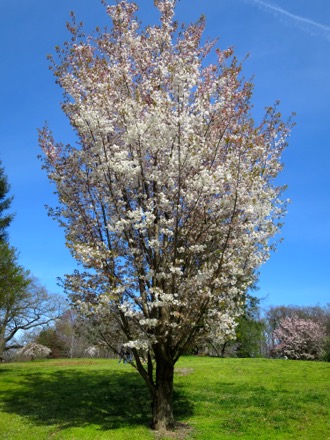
5	202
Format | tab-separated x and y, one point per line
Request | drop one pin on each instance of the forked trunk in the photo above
162	405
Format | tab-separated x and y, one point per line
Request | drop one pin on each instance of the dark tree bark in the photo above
162	405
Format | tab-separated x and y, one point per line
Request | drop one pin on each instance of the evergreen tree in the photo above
5	202
250	330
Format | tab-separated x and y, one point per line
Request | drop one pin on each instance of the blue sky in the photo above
289	46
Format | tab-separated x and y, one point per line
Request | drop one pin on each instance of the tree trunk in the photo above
2	347
162	405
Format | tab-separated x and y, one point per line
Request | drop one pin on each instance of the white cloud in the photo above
306	24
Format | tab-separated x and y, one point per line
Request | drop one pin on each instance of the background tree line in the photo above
293	332
24	303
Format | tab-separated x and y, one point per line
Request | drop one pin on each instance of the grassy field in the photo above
218	398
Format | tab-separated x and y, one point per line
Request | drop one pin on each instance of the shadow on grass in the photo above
71	398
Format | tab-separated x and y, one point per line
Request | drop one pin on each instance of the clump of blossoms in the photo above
168	201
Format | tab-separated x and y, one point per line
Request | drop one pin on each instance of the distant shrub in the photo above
33	351
299	339
92	352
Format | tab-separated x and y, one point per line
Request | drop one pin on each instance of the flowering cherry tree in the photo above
168	200
299	338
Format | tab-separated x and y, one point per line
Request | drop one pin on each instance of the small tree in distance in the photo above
168	201
299	339
277	314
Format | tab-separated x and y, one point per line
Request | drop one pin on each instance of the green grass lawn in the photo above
218	398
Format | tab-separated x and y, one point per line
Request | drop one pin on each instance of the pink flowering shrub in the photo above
299	339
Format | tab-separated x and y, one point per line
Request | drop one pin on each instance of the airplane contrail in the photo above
297	18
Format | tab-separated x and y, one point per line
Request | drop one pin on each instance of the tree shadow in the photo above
109	399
